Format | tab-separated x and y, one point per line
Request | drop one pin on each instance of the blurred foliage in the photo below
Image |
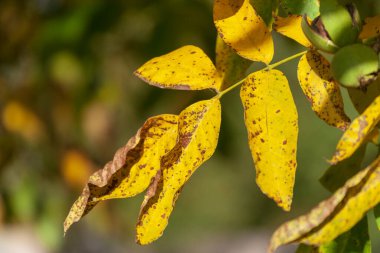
68	100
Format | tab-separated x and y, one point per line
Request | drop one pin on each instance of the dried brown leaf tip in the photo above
132	168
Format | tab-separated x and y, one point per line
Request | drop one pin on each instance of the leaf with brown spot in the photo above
272	122
358	132
230	66
335	215
187	68
199	126
243	29
291	27
132	168
317	83
371	28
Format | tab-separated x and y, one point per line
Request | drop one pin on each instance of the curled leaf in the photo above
132	168
199	126
230	66
272	122
322	91
243	29
291	27
358	132
187	68
335	215
371	28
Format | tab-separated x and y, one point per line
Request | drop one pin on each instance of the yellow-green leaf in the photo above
335	215
371	27
199	126
361	99
187	68
230	66
243	29
291	27
132	168
272	122
358	132
322	91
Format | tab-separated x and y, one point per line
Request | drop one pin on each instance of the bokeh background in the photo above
69	99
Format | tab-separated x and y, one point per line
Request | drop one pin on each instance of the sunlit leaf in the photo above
322	91
272	122
356	240
187	68
291	28
361	99
230	66
337	175
265	9
335	215
132	168
371	27
358	132
243	29
199	126
301	7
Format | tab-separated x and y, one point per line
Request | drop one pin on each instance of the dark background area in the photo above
69	99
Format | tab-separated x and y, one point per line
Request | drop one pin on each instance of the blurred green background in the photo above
69	99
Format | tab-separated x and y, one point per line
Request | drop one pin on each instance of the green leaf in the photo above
301	7
376	212
304	248
230	66
356	240
337	175
265	8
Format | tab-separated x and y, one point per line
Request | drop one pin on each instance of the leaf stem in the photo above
271	66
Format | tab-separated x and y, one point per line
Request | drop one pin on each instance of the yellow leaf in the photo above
291	28
132	168
358	132
187	68
322	91
199	126
230	66
76	167
335	215
371	27
243	29
272	123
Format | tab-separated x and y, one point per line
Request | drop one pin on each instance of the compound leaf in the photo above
187	68
358	132
291	27
272	122
243	29
132	168
335	215
199	126
322	91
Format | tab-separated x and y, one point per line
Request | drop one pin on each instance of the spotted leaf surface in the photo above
187	68
243	29
132	168
199	126
371	28
291	27
322	91
335	215
358	132
230	66
272	122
